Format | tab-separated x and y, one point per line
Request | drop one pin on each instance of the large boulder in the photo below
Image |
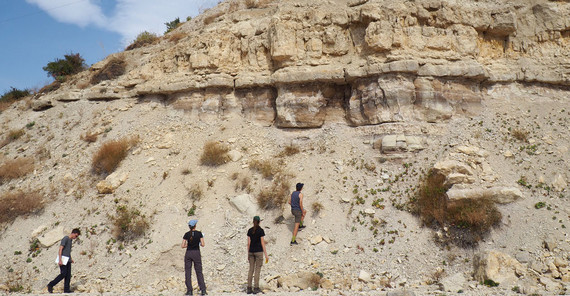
498	267
51	237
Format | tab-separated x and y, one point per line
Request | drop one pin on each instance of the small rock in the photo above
235	155
364	276
508	154
369	211
401	292
316	239
559	184
559	262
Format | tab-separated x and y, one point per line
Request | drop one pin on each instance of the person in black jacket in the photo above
255	251
192	241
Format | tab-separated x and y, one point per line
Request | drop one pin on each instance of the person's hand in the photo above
72	261
60	263
266	259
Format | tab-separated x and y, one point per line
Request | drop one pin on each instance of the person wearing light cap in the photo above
255	251
297	209
192	241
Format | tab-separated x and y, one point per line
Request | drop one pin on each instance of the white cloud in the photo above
129	17
81	13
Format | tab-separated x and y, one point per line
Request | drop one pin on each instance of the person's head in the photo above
192	223
299	186
256	221
75	233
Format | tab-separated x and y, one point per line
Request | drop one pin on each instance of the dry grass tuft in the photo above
129	224
520	135
114	68
195	193
468	220
275	196
17	168
15	204
12	136
267	168
317	207
289	151
110	155
315	281
242	182
214	154
177	36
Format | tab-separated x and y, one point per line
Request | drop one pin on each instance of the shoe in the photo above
50	289
189	293
67	292
256	290
294	243
249	291
204	293
301	227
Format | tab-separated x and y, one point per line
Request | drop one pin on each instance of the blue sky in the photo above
36	32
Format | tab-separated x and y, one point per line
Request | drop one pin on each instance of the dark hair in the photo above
299	186
255	225
192	228
76	230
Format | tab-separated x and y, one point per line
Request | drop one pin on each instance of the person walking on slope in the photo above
255	251
192	241
297	209
64	261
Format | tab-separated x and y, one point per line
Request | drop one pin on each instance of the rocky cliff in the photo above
301	63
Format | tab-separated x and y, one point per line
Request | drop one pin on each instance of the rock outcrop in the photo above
302	63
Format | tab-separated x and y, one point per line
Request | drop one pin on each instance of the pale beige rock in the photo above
497	266
501	195
559	183
51	237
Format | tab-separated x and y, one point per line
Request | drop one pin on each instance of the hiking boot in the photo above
249	291
294	243
256	290
302	226
203	293
188	293
50	289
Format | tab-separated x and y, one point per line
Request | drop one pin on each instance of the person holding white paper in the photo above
64	261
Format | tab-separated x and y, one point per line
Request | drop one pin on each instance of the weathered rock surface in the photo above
498	267
300	64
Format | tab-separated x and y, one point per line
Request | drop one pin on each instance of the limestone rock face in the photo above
294	64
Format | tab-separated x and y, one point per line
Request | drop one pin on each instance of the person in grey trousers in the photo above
192	241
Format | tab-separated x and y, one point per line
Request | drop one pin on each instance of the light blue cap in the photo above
192	222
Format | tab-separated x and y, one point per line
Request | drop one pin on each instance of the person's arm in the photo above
289	199
59	254
301	203
184	244
248	243
202	242
264	250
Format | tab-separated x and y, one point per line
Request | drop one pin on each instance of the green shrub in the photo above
143	39
172	25
71	64
129	224
114	68
12	96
